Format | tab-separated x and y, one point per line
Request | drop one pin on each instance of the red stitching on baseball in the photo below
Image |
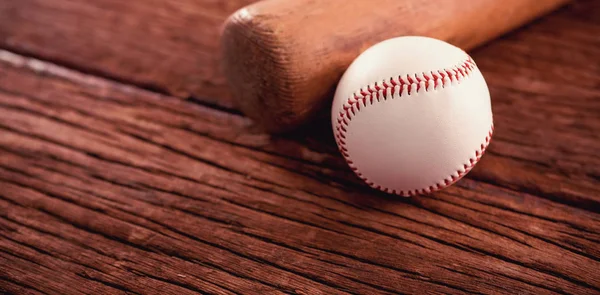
441	78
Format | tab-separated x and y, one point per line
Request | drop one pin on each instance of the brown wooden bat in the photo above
283	58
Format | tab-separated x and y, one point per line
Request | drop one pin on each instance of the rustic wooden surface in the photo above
109	187
164	46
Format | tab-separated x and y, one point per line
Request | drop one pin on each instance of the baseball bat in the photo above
283	58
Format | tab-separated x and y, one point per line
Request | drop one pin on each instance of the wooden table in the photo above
126	169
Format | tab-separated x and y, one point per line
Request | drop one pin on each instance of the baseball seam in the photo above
406	86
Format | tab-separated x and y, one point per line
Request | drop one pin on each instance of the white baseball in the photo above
412	115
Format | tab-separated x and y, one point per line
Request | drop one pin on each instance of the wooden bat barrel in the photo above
283	58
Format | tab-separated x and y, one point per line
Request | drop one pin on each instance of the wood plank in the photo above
544	83
165	46
158	195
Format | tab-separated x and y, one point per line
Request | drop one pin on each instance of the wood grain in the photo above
110	188
165	46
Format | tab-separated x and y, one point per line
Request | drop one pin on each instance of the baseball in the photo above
412	115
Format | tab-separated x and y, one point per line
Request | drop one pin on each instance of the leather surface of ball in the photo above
412	115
